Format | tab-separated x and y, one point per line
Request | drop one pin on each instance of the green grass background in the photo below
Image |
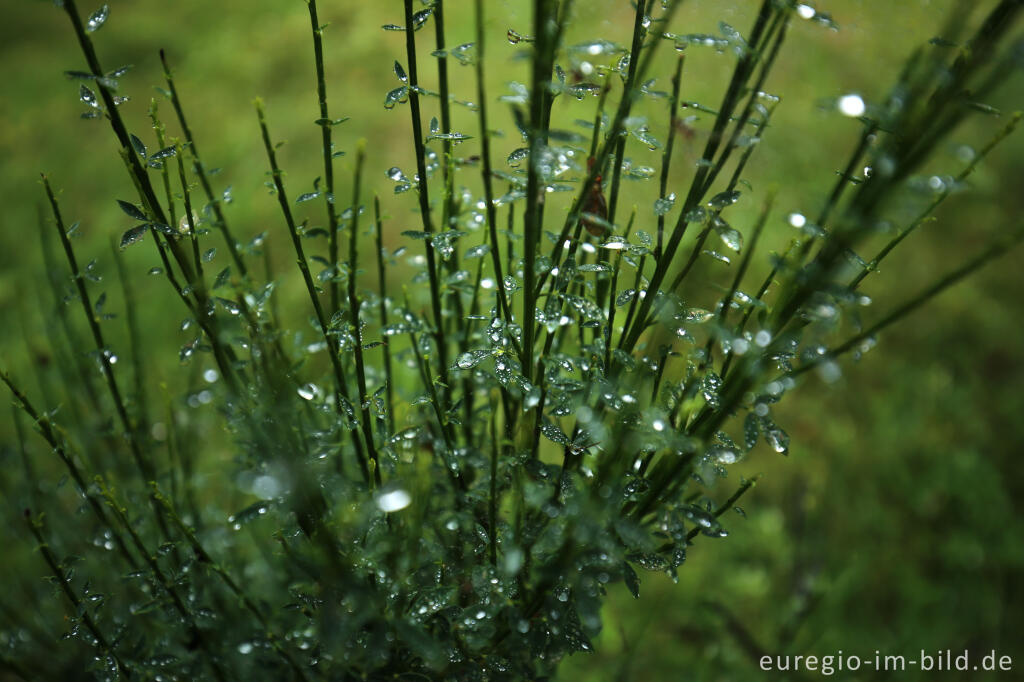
895	522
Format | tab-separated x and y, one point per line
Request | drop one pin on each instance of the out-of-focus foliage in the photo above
374	465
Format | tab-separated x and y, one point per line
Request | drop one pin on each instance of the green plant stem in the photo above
328	154
873	264
486	171
382	286
741	76
458	482
49	433
727	505
726	303
778	31
666	157
135	342
341	389
190	221
448	161
833	201
145	466
140	177
136	169
71	338
612	307
544	48
160	130
188	618
200	171
999	247
424	199
630	93
30	472
35	527
492	500
353	311
243	597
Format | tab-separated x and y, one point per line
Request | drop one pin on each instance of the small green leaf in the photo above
625	297
222	278
133	235
97	19
88	97
138	145
631	579
478	251
132	210
163	153
394	97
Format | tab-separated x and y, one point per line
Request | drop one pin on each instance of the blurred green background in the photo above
894	524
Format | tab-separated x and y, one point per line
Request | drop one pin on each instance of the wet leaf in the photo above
396	96
138	146
554	434
471	359
132	210
751	430
631	579
97	19
478	251
164	153
663	205
88	97
421	17
517	156
730	236
133	235
223	277
724	199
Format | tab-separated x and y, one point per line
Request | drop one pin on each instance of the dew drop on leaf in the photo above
97	19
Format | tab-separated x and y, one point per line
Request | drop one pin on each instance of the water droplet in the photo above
266	487
717	256
471	359
512	562
797	220
724	199
245	648
664	204
851	105
308	391
805	11
393	501
830	372
698	315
